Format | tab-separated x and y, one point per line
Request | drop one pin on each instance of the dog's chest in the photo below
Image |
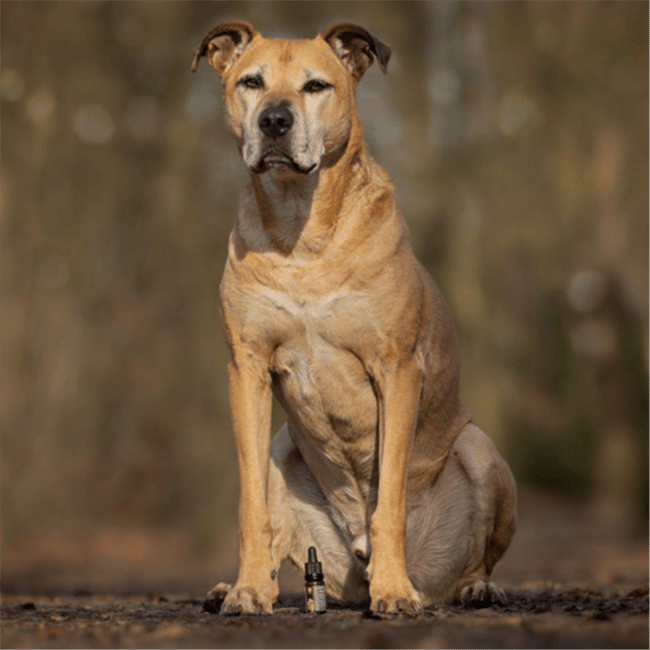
317	377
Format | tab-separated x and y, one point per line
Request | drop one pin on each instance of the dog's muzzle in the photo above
278	142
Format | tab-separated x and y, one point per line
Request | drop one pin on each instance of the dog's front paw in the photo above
246	600
482	594
393	603
391	591
395	606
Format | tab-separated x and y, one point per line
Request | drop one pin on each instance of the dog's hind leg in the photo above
461	526
300	518
495	495
496	499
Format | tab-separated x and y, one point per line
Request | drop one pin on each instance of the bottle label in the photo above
316	599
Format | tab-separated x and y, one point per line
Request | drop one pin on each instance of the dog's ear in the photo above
356	48
224	44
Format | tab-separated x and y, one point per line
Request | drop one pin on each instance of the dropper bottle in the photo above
315	598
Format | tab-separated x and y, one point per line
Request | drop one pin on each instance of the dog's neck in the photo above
286	202
299	212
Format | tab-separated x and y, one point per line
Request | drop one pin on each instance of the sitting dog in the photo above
379	465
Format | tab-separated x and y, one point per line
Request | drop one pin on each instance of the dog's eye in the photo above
316	86
253	83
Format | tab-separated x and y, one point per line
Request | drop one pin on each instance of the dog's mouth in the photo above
280	160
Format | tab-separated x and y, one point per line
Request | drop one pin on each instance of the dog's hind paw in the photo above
482	594
215	598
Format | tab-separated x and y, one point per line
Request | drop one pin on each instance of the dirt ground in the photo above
576	576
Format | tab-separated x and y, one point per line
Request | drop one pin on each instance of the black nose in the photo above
275	121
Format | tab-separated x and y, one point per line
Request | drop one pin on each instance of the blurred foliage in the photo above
517	135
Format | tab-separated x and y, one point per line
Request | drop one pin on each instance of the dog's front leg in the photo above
391	591
249	385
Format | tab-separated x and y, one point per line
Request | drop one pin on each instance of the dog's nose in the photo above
275	121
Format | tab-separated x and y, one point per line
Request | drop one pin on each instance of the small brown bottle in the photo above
315	598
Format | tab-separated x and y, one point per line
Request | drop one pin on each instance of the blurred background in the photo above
517	136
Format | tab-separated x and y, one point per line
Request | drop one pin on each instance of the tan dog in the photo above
379	465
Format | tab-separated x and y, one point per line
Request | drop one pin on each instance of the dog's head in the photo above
290	103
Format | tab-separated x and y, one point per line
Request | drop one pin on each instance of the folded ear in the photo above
356	48
224	44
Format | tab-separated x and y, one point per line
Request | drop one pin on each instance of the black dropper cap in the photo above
313	568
